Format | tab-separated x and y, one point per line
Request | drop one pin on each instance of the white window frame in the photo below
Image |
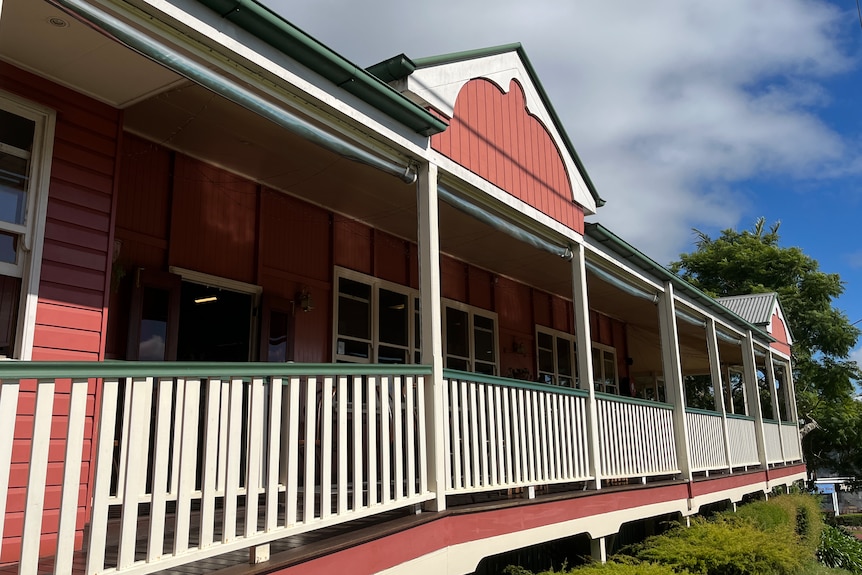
472	312
32	233
376	285
556	335
599	368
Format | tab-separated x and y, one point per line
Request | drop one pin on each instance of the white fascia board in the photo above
776	309
702	310
459	172
440	86
198	31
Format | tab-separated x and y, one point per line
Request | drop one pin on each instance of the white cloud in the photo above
671	105
856	355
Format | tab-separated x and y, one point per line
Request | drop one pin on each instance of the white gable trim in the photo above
776	309
440	85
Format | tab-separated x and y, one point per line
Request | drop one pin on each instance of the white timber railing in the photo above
636	438
772	441
195	460
743	441
501	433
706	439
790	442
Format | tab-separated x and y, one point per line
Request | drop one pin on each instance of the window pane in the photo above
16	131
8	248
16	143
457	334
564	357
483	339
357	349
486	368
278	334
154	324
610	371
546	362
354	309
457	363
393	317
386	354
597	367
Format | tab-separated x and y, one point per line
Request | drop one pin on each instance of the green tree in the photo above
753	261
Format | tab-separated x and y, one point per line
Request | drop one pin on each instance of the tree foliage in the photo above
753	261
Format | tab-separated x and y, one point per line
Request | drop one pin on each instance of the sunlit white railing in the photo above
772	441
636	438
706	440
743	441
790	442
502	433
195	460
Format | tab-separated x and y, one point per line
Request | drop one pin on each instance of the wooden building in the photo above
254	295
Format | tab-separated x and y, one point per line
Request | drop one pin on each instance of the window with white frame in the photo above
470	338
375	321
25	130
605	369
556	357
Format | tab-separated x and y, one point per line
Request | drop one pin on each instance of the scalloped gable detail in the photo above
439	87
493	134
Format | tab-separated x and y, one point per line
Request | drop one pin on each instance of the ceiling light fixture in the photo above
206	299
58	22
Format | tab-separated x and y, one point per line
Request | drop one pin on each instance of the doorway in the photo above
214	324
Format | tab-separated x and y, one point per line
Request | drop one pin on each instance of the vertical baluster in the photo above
531	468
255	452
326	449
8	413
177	436
273	461
465	435
422	433
474	436
457	451
291	491
102	478
557	431
310	449
497	445
136	467
71	477
124	435
513	453
209	465
357	443
188	463
415	400
385	413
448	422
544	435
224	418
371	386
490	450
398	438
232	460
342	445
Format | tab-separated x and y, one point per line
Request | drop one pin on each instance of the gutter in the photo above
171	59
271	28
615	243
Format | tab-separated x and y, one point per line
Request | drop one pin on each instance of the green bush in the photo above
840	549
729	546
849	519
619	566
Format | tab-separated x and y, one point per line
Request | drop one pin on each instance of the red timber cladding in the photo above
213	221
494	135
72	306
779	332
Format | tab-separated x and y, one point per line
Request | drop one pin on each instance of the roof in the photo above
257	19
399	67
607	238
756	308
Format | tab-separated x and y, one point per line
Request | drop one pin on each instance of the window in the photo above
375	321
24	165
556	357
470	338
605	369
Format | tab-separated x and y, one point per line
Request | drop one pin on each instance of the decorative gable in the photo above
493	134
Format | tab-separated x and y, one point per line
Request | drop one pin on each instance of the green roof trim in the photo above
393	69
257	19
606	237
558	124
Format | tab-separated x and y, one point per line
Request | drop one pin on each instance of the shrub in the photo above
849	519
620	566
840	549
727	546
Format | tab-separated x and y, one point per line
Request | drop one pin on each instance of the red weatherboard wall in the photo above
72	306
493	134
779	332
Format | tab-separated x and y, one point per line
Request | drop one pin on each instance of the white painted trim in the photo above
776	309
216	281
37	208
472	311
440	86
463	175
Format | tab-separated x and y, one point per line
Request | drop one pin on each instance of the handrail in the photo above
702	411
505	381
633	400
16	370
741	417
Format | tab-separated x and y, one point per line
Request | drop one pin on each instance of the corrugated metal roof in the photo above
755	308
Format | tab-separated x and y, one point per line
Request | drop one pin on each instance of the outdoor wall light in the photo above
304	301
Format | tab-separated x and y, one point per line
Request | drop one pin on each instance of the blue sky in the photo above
686	114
